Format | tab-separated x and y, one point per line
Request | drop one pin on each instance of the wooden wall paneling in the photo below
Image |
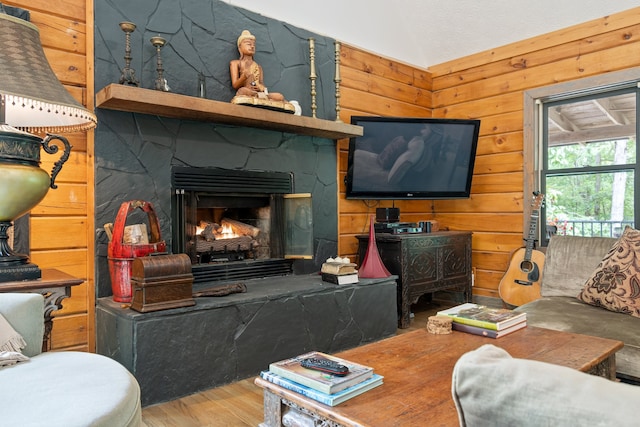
501	143
66	200
61	228
70	332
498	163
60	232
61	32
380	105
74	9
539	57
71	261
497	183
502	202
565	69
73	170
360	59
369	83
539	43
69	67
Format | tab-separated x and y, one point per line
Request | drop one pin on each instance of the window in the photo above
585	157
589	164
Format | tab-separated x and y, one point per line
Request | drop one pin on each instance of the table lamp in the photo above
32	100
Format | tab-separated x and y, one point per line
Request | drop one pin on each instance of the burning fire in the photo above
225	231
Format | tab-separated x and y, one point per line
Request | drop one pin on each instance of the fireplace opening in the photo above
232	224
232	233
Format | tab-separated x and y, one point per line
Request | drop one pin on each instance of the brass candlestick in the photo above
161	83
312	76
338	80
128	75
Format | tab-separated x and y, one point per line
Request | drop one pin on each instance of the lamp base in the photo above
13	266
18	273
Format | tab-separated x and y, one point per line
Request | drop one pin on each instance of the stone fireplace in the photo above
136	153
138	156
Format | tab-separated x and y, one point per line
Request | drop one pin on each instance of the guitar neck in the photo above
530	240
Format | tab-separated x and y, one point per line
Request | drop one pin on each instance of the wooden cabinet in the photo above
425	263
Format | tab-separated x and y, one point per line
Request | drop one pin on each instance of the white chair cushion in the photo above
69	389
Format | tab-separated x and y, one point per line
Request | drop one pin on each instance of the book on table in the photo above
326	383
483	316
476	330
328	399
340	279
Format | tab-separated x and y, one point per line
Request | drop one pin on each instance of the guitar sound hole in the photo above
526	266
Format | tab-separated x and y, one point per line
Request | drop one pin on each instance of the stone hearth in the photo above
181	351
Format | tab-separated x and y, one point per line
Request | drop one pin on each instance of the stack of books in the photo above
481	320
322	387
339	271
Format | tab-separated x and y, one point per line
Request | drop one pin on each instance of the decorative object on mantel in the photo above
202	85
121	254
128	76
161	83
312	75
32	99
372	267
247	78
338	80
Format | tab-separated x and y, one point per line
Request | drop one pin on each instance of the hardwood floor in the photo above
240	404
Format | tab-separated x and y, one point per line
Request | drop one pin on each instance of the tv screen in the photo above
411	158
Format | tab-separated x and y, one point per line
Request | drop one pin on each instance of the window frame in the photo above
534	127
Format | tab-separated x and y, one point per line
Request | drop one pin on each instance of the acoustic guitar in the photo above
521	282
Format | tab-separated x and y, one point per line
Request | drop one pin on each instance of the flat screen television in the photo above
411	158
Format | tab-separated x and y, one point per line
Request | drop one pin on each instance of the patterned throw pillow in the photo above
615	284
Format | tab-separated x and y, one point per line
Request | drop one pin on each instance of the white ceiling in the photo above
430	32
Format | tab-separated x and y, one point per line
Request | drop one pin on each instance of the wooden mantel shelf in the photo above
166	104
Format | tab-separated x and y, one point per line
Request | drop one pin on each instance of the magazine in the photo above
292	370
484	317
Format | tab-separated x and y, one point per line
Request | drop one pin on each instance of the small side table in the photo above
55	286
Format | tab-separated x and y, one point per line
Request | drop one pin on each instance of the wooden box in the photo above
161	282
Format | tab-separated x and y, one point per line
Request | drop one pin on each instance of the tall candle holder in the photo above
312	76
338	80
128	75
161	83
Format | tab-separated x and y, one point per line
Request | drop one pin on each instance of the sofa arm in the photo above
489	387
25	313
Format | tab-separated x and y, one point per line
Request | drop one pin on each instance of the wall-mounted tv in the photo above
411	158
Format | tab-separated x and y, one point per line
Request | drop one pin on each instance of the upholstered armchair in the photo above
59	388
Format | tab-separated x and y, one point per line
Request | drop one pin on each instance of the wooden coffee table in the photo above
417	368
